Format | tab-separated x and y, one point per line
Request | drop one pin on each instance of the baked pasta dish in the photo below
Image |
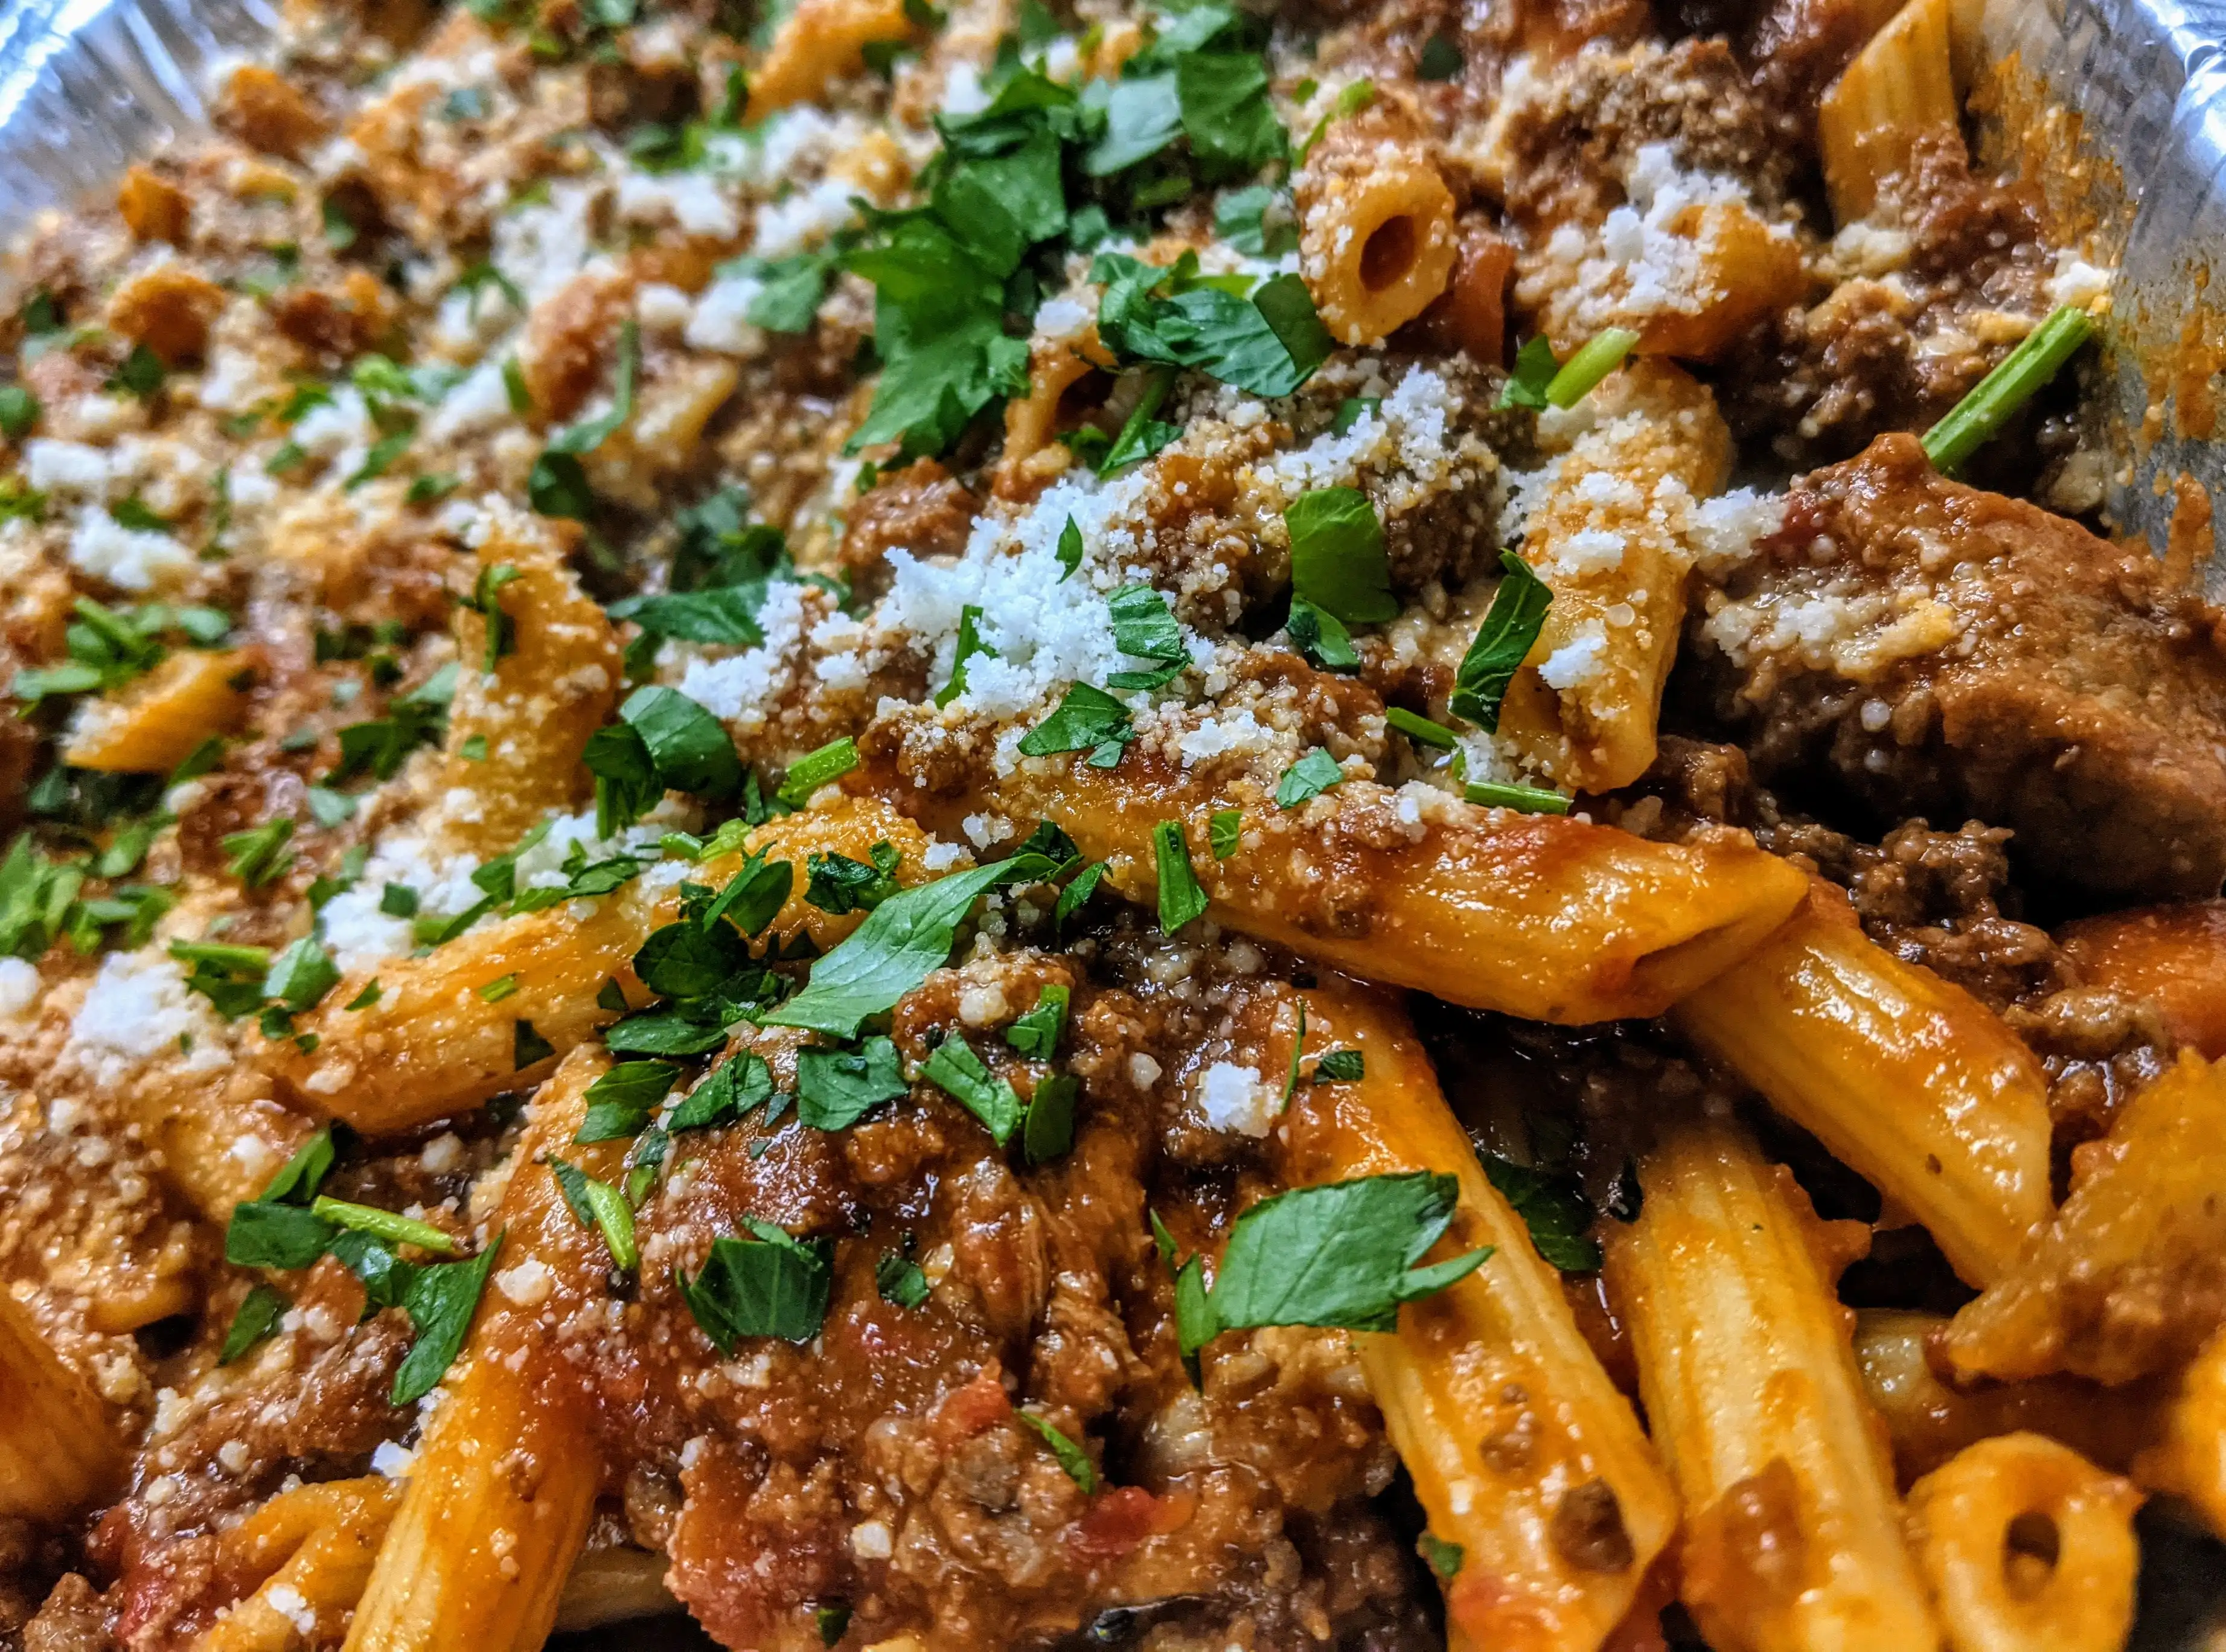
1059	824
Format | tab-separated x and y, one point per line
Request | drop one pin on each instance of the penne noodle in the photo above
2189	1460
2174	957
2027	1547
2123	1282
57	1453
432	1044
1793	1533
1521	1448
1908	1078
1929	1422
551	686
1900	87
311	1548
614	1584
505	1482
1657	431
159	722
1377	244
1542	916
820	42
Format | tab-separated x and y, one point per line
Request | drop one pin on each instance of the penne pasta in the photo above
1522	1450
2174	957
57	1453
434	1043
1537	915
2027	1547
821	41
2123	1282
1793	1531
527	706
1376	225
1930	1421
2189	1460
1617	560
1900	87
159	722
308	1552
613	1584
505	1481
1908	1078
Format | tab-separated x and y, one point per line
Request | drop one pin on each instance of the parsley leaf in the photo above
772	1285
1071	1457
733	1089
969	643
1070	549
255	857
1087	719
958	1070
1510	628
1342	1254
899	1280
836	1088
1036	1035
1226	832
621	1101
1535	368
257	1318
1321	637
902	941
1144	627
1554	1208
440	1300
1338	563
1311	776
841	885
1049	1130
1181	900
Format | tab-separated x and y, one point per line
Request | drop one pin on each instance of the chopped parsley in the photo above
1144	627
1181	900
1338	560
955	1068
1510	629
1224	832
1071	1457
598	1204
836	1088
1340	1256
899	1280
1311	776
1553	1207
770	1284
1086	720
1036	1035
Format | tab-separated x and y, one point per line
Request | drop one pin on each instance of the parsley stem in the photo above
1598	357
1529	799
384	1224
1979	417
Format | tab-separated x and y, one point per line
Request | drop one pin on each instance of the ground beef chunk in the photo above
1941	899
1568	157
1949	653
1914	316
919	509
73	1620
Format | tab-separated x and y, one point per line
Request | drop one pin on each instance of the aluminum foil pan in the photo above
2130	96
